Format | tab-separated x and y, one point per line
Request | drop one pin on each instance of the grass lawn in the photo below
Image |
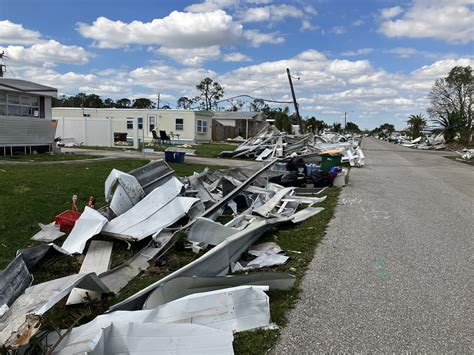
211	150
47	157
459	159
32	194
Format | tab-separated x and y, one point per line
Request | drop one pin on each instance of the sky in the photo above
373	60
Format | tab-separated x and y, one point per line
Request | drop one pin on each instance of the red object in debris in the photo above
67	220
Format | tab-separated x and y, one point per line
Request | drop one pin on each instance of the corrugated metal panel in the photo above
28	131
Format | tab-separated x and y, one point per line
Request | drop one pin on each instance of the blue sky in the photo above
375	60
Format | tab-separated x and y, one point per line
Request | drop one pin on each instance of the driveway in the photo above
395	270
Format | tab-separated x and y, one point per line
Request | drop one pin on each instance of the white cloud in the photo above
338	30
12	33
391	12
306	25
177	30
257	38
236	57
358	23
211	5
451	21
358	52
407	52
345	67
193	56
270	13
47	53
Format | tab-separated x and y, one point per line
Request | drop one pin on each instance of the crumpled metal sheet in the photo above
33	255
23	318
159	209
265	248
153	339
205	230
48	233
152	175
118	277
14	279
127	194
266	208
149	219
231	309
186	285
213	263
306	213
88	225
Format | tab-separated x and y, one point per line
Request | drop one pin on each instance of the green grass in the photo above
47	157
459	159
32	194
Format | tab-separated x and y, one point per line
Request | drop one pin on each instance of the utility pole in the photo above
294	100
158	102
3	67
345	121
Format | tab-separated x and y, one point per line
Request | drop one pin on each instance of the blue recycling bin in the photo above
174	157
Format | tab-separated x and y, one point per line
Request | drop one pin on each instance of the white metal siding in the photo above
26	131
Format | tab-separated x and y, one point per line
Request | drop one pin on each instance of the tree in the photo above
336	127
448	125
123	103
235	105
166	107
316	126
259	105
184	103
453	95
352	127
93	100
416	123
211	91
109	103
143	102
282	120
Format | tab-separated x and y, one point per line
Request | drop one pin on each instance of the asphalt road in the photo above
395	270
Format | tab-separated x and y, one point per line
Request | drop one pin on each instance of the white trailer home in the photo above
25	116
108	126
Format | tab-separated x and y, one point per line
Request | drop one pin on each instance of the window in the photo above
140	122
129	123
179	124
201	126
86	114
151	123
16	105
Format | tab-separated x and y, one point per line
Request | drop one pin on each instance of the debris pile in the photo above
194	308
270	144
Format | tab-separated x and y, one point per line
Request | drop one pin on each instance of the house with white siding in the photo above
108	126
25	116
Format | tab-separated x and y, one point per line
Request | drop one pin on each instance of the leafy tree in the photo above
143	102
93	100
184	103
123	103
282	120
453	95
211	91
316	126
384	130
416	123
336	127
166	107
259	105
352	127
108	103
448	125
235	105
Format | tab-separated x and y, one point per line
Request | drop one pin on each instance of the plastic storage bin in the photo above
67	220
174	157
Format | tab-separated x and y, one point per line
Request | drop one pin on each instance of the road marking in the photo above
381	269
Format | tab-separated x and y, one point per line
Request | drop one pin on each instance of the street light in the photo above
345	120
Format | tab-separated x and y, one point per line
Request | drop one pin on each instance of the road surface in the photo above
395	270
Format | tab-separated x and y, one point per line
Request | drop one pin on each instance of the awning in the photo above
229	123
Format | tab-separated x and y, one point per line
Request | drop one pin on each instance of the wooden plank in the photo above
97	259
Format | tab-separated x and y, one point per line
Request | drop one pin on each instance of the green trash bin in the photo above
329	161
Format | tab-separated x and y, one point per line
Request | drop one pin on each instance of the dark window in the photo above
140	122
179	124
151	123
129	124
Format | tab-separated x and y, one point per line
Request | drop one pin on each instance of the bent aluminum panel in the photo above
205	230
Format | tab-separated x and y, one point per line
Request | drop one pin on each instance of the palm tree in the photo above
416	124
449	126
